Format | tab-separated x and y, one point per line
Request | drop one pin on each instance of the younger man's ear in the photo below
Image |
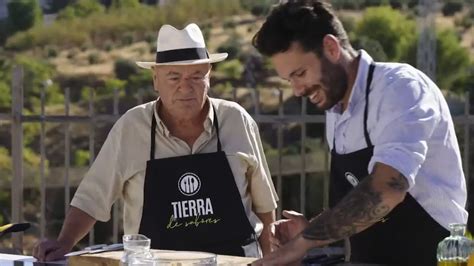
331	48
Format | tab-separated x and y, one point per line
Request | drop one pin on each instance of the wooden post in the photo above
17	154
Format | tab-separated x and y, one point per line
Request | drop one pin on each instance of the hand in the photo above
49	250
290	254
282	231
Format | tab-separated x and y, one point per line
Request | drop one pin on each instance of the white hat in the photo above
181	47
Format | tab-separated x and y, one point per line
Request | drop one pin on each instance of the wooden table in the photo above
112	258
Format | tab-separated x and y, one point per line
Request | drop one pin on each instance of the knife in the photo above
96	249
86	250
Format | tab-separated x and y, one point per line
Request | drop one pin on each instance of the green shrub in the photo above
36	72
51	52
5	96
108	46
117	22
125	3
392	29
450	7
93	58
54	6
257	7
231	69
222	90
150	38
124	69
23	14
140	80
463	22
80	9
228	24
348	23
127	39
373	47
153	48
84	47
452	59
71	54
81	158
110	85
4	31
57	35
347	4
258	10
232	47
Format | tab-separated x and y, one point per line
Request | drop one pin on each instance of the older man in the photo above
190	168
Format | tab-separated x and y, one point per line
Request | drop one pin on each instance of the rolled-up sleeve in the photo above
264	196
102	184
407	116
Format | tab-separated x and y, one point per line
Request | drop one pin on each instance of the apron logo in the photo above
189	184
352	179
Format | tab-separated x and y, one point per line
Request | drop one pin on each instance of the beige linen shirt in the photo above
119	169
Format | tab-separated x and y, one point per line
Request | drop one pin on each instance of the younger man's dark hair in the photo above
304	21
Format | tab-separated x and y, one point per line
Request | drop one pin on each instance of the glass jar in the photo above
135	245
455	249
470	262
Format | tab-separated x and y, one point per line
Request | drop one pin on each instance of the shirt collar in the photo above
208	122
360	83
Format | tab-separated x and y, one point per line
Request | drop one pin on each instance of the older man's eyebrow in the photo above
172	73
199	72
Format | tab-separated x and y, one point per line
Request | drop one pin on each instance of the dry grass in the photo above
79	64
246	27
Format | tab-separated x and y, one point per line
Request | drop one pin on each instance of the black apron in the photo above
192	203
408	235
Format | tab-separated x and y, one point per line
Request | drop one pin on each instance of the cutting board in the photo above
112	258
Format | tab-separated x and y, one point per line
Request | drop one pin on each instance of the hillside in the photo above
71	62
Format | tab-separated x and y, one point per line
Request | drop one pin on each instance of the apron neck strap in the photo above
153	132
366	111
216	125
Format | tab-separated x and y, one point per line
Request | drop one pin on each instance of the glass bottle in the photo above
470	262
455	249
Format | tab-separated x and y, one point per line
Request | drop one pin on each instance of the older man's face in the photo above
182	88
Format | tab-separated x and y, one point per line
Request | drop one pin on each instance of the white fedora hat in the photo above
181	47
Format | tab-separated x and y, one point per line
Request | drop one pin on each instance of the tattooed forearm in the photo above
399	183
362	207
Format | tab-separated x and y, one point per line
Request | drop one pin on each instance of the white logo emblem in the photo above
352	178
189	184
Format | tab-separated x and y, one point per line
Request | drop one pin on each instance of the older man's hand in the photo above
282	231
50	250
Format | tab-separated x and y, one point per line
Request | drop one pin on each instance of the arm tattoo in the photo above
361	208
398	183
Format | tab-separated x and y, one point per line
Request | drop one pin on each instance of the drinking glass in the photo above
135	245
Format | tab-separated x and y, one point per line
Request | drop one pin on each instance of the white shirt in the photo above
119	169
411	128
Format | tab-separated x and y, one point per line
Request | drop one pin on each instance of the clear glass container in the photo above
135	245
455	249
176	258
470	262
